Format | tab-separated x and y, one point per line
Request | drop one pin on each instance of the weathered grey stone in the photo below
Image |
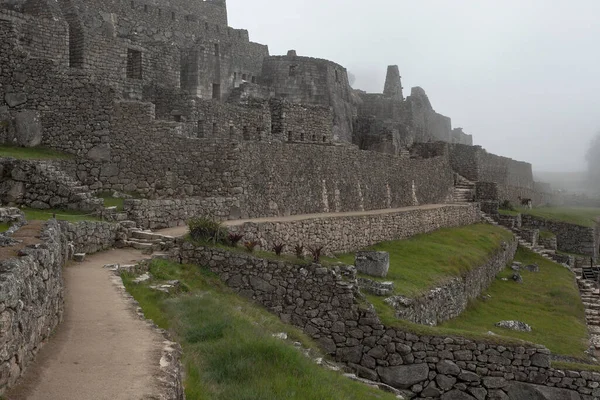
431	390
540	360
403	376
79	257
532	268
261	284
514	325
100	152
445	382
28	128
457	395
494	382
447	367
479	392
15	99
526	391
373	263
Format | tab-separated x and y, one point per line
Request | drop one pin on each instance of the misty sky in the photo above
522	76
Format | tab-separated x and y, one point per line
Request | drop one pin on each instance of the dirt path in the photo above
102	350
182	230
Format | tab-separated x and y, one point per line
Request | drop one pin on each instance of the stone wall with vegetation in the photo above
156	214
451	299
31	302
570	238
326	304
340	234
93	236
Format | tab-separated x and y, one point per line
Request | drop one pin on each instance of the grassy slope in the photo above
32	153
423	261
585	216
548	301
511	213
229	351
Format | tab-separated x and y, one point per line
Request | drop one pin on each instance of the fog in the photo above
521	76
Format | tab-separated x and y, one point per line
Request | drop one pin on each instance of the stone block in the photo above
28	128
15	99
79	257
373	263
403	376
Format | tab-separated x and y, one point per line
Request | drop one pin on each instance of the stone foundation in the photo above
570	238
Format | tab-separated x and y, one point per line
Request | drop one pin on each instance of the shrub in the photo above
234	238
507	205
250	246
316	253
278	248
206	229
299	250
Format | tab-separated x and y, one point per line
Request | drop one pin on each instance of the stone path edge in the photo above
171	369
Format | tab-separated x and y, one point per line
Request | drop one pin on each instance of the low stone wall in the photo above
570	238
92	236
344	233
156	214
326	304
31	302
451	299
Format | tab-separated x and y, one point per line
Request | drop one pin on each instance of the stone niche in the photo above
373	263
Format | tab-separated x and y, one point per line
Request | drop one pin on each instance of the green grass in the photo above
229	351
548	301
61	215
512	213
32	153
424	261
545	234
110	201
585	216
4	226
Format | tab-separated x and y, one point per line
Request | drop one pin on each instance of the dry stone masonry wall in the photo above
325	303
31	302
570	238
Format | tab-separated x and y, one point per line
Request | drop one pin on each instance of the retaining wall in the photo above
31	302
570	238
344	233
326	304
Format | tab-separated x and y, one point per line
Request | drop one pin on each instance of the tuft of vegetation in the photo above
547	300
235	238
229	352
545	234
32	214
250	246
506	205
278	248
32	153
584	216
203	229
4	226
421	262
316	253
299	250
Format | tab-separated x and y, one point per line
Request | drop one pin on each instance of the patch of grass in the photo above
32	153
548	301
511	213
544	234
61	215
585	216
575	366
110	201
229	350
4	226
424	261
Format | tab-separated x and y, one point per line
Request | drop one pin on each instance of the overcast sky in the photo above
522	76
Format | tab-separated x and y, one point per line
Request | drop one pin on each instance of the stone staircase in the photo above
80	196
149	242
464	190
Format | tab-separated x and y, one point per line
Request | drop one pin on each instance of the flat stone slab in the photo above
79	257
373	263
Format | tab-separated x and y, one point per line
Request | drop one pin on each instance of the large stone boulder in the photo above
28	128
373	263
514	326
403	376
527	391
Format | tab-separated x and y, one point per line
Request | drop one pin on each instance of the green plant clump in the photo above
203	229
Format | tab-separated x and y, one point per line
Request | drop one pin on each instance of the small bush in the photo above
250	246
278	248
206	229
315	252
299	250
234	238
507	205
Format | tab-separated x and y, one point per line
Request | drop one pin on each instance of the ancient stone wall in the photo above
284	179
570	238
452	298
313	81
345	233
325	304
301	123
92	236
31	302
156	214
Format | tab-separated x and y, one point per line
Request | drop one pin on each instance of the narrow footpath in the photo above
102	350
